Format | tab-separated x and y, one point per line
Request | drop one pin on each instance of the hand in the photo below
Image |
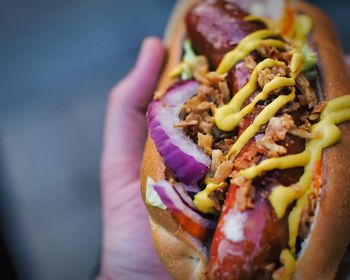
127	248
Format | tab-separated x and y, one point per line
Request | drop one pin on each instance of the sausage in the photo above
216	27
265	236
254	246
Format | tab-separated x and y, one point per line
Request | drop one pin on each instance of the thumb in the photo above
125	128
137	88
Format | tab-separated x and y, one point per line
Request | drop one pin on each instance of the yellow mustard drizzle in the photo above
336	112
202	200
284	162
177	70
265	115
228	116
324	134
297	63
302	27
294	220
246	46
289	264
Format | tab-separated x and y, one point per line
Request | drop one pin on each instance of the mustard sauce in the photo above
324	134
202	200
297	63
246	46
267	113
289	264
228	116
301	27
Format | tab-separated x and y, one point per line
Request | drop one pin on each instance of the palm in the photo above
128	251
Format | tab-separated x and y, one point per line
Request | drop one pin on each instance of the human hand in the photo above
127	247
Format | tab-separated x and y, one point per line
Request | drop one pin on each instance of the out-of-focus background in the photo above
58	61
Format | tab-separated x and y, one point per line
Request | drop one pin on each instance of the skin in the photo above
127	246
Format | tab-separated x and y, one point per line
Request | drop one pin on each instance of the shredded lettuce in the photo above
152	197
186	72
310	57
183	69
189	54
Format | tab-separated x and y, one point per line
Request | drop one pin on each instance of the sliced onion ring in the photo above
177	204
188	162
189	190
185	195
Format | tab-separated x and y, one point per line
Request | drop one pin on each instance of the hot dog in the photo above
243	191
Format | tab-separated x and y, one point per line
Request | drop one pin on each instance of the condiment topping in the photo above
202	200
246	46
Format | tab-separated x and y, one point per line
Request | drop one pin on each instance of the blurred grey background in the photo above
58	61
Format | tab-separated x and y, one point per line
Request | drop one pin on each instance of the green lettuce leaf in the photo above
152	197
310	57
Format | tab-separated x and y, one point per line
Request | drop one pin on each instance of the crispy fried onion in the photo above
276	130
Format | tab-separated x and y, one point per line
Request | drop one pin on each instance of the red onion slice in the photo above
188	162
185	196
194	189
177	203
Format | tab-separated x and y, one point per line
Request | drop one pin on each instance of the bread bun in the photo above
330	231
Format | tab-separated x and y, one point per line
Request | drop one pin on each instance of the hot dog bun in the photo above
184	256
330	232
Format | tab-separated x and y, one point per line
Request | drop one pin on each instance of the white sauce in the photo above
233	227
